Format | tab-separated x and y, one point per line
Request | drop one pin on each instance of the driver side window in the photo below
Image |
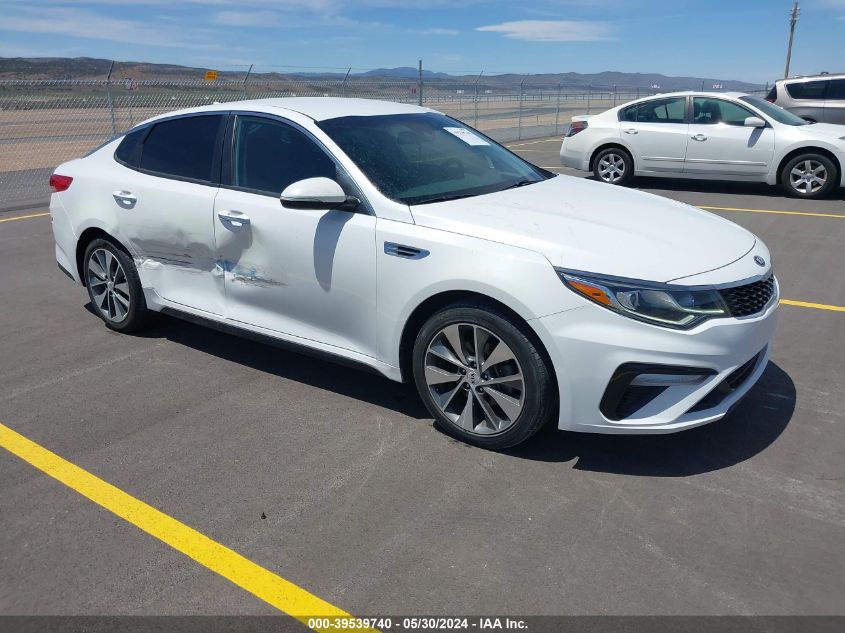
268	155
708	111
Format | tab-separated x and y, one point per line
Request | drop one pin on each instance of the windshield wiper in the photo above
519	183
457	196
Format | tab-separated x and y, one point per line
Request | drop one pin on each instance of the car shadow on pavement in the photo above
749	429
358	382
724	187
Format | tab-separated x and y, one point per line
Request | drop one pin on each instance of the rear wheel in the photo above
809	176
481	377
114	286
614	166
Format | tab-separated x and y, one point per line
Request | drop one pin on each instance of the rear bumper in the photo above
64	237
588	346
573	158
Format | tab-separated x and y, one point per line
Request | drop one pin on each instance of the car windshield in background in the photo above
775	111
422	158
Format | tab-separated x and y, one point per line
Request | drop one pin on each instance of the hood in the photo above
590	226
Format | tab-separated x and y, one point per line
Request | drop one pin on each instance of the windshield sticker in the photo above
466	136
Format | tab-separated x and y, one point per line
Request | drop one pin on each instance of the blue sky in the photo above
728	39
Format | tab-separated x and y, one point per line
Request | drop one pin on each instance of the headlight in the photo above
656	303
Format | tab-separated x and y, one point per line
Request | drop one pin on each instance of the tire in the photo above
114	287
510	398
614	166
796	172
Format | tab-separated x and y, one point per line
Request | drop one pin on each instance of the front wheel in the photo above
809	176
482	376
114	286
614	166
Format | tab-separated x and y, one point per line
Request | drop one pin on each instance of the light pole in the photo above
793	19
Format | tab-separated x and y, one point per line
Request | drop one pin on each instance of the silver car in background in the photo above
817	98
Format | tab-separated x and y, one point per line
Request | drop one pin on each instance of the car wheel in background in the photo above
614	166
809	176
114	286
482	376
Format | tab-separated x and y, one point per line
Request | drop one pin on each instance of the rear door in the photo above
721	145
165	201
656	131
834	105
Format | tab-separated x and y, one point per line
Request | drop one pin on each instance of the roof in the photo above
806	77
317	108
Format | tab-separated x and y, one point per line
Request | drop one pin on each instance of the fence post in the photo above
557	113
519	120
343	85
111	103
614	95
589	96
475	123
246	78
420	86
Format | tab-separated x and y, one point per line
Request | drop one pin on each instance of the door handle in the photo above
631	131
236	219
125	199
699	137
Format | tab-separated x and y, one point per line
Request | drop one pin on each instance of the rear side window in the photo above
658	111
836	91
807	89
129	149
183	148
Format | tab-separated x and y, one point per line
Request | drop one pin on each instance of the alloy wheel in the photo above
611	168
474	378
808	176
109	285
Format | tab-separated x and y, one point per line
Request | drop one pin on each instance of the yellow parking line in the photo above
545	140
817	306
739	209
262	583
25	217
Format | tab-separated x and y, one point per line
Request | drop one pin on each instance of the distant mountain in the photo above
404	72
91	68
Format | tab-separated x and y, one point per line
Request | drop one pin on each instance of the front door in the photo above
310	274
656	132
721	145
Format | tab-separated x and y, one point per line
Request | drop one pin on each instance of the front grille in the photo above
750	298
725	388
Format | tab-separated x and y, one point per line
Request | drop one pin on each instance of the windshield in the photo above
428	157
774	111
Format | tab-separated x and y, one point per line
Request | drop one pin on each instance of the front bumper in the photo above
589	344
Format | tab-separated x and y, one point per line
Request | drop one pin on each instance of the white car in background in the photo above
713	136
402	240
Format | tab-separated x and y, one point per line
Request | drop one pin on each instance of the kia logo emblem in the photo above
759	260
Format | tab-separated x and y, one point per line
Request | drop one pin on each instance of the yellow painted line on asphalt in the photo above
816	306
741	210
24	217
262	583
546	140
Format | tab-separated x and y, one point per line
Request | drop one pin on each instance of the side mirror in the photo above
318	194
754	121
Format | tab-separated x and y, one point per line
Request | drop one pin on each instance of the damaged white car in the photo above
402	240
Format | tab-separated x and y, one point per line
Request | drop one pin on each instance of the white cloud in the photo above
552	30
438	31
246	18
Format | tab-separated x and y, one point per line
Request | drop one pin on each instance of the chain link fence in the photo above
46	122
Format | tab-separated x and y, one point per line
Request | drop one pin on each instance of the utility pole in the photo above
793	20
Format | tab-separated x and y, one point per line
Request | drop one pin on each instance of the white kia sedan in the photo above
401	240
713	136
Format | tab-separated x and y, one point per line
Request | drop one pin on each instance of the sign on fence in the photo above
211	75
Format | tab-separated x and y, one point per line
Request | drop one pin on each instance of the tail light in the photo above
575	127
60	183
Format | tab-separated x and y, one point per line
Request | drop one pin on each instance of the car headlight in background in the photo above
660	304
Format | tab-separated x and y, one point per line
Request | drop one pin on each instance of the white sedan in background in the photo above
402	240
713	136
